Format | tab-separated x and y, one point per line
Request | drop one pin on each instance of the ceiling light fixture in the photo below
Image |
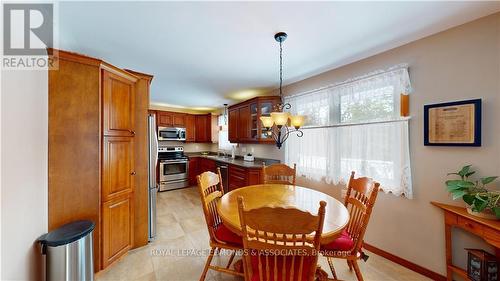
278	124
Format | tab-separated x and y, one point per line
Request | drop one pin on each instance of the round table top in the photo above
305	199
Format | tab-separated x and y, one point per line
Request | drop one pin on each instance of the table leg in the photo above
449	259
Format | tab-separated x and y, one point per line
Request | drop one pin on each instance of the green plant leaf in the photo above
454	188
481	206
496	210
453	184
458	194
469	199
470	174
464	171
488	180
467	184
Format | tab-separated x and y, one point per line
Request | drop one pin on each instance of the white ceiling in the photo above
204	54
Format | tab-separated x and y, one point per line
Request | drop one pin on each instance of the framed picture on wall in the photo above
453	123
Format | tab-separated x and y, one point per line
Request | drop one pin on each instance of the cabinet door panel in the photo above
234	119
117	167
203	125
193	170
190	128
244	124
118	103
117	225
165	119
179	120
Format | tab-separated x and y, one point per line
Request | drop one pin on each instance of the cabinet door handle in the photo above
132	173
132	132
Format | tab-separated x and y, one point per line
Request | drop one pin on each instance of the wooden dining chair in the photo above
280	243
359	201
211	190
279	174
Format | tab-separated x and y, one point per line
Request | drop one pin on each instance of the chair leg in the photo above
230	259
349	264
207	264
332	268
357	270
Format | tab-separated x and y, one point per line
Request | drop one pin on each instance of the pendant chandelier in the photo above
280	124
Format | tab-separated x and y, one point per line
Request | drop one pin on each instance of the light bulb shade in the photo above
297	121
266	121
280	118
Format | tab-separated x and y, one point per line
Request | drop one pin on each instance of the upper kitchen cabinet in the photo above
244	120
179	120
171	119
234	118
190	128
118	91
203	128
165	119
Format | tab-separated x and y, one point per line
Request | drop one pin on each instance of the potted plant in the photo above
481	201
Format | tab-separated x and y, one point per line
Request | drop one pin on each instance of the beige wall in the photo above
24	119
461	63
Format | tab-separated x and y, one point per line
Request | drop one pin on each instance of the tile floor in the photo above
182	236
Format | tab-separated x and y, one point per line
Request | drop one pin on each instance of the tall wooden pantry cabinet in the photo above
97	139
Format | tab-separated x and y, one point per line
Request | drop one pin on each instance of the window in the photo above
224	143
355	126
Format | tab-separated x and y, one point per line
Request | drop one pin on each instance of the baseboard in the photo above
408	264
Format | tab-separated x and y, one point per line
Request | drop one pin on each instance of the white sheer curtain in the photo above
224	143
355	126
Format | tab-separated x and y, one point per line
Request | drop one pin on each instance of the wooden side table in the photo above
455	216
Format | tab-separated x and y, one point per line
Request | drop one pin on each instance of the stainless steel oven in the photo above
171	134
174	168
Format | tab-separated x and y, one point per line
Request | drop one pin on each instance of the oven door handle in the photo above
173	162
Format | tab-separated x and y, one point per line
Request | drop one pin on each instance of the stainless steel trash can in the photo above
69	251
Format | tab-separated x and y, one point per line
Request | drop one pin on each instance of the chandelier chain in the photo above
281	68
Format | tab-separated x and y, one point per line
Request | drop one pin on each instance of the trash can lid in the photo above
67	233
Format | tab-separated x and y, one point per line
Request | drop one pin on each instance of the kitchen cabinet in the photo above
244	120
193	170
165	119
243	176
118	103
179	120
198	126
203	128
117	225
105	109
190	128
207	165
171	119
118	167
234	118
141	159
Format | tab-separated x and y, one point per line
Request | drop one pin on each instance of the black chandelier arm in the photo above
299	132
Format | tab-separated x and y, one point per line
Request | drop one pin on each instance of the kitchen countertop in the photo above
238	161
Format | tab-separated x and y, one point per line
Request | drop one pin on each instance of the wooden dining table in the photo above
281	195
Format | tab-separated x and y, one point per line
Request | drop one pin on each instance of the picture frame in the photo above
455	123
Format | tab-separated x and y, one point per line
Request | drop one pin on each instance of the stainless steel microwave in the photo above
171	134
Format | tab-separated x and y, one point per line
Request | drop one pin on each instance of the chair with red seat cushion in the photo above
342	243
210	188
359	201
222	233
280	243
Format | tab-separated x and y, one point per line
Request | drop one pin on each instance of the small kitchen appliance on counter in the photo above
174	167
249	157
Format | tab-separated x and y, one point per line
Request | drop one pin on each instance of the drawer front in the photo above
470	226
